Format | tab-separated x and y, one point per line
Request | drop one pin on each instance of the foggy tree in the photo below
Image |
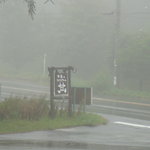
31	6
134	60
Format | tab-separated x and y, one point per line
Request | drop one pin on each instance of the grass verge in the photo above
16	126
125	94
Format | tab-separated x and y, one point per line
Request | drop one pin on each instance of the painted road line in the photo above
132	124
119	101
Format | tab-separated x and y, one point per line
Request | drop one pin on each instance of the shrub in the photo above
18	108
33	109
9	108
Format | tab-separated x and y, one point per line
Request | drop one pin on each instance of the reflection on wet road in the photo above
112	136
31	148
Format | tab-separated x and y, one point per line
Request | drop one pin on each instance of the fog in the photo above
77	33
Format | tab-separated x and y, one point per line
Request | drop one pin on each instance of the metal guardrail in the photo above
9	91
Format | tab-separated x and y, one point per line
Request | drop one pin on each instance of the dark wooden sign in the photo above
60	85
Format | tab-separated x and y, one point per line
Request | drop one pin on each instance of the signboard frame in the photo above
53	94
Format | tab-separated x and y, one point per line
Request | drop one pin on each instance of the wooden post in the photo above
69	97
52	109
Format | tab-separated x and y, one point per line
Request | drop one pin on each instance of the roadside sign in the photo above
61	84
81	95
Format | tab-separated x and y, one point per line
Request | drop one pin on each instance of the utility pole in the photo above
44	64
116	41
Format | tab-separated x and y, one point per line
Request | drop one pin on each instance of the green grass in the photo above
25	115
84	119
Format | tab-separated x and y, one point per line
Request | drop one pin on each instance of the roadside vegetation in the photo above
120	93
103	87
24	115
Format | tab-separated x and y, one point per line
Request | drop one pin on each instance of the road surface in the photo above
128	127
119	134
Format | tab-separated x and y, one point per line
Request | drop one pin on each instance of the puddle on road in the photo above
66	145
33	148
41	145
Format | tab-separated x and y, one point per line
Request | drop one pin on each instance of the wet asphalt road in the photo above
134	135
121	133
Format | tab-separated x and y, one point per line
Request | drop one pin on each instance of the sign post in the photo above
60	86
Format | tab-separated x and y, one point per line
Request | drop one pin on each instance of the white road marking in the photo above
131	124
